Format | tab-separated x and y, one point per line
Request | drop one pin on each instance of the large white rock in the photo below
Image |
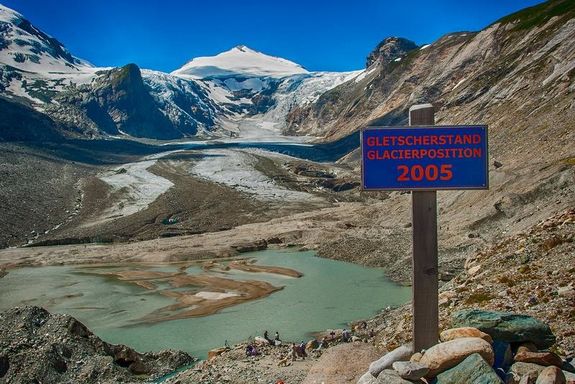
446	355
402	353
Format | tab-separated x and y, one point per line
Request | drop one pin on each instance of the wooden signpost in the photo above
423	159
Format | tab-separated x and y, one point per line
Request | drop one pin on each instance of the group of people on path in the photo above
303	349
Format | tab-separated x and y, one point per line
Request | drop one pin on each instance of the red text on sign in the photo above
430	172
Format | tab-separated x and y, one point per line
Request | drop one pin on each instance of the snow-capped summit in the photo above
25	47
239	60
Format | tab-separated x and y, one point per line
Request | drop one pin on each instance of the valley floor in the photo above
98	207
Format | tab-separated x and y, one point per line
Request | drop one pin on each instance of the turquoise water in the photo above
329	295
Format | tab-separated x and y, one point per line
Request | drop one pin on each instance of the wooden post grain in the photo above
425	284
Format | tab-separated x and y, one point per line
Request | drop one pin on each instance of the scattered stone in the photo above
504	326
473	270
342	363
456	333
551	375
519	370
410	370
567	291
215	352
40	347
473	370
446	355
497	164
402	353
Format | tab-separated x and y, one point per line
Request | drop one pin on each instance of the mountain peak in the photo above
27	48
240	60
9	15
390	49
243	48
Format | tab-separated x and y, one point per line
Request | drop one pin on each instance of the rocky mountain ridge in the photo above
516	75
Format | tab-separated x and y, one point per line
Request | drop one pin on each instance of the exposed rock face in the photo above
389	50
516	75
50	348
21	123
119	101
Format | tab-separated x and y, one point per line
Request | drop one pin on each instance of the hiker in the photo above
293	351
345	336
277	338
266	336
302	351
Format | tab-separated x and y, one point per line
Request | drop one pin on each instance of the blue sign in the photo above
424	158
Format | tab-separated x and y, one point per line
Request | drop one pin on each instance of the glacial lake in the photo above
328	295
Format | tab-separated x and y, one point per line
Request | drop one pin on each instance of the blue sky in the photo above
332	35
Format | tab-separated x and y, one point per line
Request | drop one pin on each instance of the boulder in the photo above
389	376
402	353
526	354
446	355
551	375
509	327
367	378
472	370
139	368
456	333
410	370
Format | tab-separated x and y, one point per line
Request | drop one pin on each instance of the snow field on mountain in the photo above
239	60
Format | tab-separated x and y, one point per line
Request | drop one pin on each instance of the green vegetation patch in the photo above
539	14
